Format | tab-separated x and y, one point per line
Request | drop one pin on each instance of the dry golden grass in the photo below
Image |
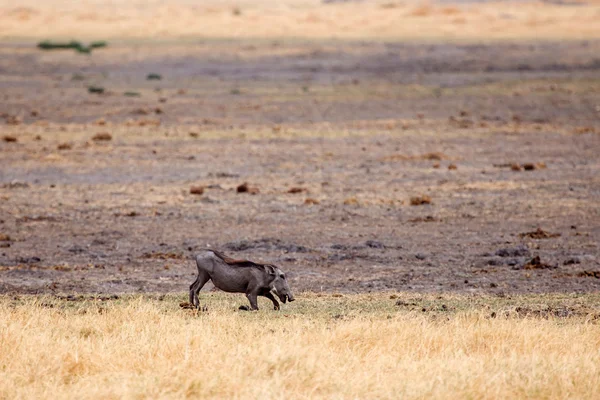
330	346
297	19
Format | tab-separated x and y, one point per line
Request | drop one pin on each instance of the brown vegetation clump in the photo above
452	167
539	233
296	190
310	201
9	139
197	190
4	237
102	137
420	200
64	146
589	274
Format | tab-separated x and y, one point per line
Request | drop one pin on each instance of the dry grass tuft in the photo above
321	346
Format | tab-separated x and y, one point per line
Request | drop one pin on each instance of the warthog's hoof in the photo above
244	308
276	308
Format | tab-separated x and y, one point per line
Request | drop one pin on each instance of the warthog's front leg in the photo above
195	288
270	296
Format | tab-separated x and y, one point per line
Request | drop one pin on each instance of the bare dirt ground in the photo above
336	141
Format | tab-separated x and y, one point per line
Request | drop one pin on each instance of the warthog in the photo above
240	276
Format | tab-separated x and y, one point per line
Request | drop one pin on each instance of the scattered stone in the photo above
374	244
420	256
539	234
536	263
102	137
29	260
9	139
198	190
519	251
571	261
420	200
95	89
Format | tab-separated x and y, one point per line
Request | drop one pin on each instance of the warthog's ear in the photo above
270	269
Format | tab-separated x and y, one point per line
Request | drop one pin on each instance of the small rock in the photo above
374	244
519	251
420	256
570	261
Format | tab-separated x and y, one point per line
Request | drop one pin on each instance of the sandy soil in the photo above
355	129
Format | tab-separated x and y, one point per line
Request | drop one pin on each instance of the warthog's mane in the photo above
239	263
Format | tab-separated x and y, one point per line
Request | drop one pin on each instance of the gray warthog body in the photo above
240	276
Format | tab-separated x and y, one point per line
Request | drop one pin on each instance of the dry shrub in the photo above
102	137
420	200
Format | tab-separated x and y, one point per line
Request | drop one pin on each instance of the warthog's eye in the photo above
282	276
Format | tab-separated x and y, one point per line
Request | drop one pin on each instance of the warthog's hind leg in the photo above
196	287
252	299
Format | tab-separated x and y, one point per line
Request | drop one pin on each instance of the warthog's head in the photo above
280	284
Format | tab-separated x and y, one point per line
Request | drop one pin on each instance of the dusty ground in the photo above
358	127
